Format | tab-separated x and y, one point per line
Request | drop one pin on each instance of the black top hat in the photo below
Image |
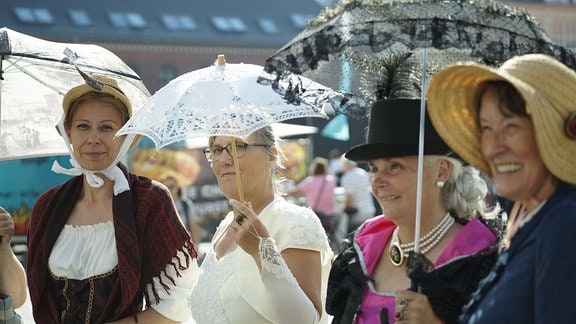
394	131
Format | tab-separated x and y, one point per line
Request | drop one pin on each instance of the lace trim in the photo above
303	235
273	262
203	300
372	45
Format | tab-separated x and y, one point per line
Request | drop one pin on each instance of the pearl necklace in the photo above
427	242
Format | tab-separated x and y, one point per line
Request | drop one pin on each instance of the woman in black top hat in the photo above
369	281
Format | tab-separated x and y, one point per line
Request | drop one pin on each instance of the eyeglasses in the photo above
213	154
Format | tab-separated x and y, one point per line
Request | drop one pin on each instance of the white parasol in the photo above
226	100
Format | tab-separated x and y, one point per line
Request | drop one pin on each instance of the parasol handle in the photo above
237	169
221	60
415	284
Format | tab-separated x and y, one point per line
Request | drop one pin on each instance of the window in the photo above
300	21
122	20
188	23
268	26
173	22
135	20
25	15
43	16
237	24
117	19
79	18
229	24
34	15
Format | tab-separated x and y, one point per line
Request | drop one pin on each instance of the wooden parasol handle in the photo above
237	170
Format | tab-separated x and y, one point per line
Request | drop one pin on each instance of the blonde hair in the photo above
266	136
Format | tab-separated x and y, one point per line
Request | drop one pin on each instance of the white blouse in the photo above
82	252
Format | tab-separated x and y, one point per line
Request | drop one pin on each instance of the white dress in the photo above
230	289
75	256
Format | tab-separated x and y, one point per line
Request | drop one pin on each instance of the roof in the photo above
185	22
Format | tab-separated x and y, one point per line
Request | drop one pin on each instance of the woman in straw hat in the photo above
518	124
368	281
106	246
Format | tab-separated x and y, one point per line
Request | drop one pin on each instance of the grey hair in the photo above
464	192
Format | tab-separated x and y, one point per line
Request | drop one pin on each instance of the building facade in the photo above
163	39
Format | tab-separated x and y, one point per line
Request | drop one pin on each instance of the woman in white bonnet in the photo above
107	246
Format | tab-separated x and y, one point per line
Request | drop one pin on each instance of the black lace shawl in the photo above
348	277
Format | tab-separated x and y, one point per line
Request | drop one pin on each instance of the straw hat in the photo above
394	131
548	88
108	86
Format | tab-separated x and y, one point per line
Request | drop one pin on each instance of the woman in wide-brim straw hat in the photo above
518	124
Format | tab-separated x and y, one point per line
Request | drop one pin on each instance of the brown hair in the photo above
100	97
319	166
511	102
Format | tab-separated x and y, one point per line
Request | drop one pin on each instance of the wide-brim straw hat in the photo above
108	86
394	131
548	88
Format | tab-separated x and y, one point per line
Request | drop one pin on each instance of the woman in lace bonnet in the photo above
269	259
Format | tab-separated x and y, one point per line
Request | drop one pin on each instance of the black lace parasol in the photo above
363	47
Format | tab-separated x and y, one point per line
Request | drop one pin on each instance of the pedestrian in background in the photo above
184	206
336	164
318	189
359	203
